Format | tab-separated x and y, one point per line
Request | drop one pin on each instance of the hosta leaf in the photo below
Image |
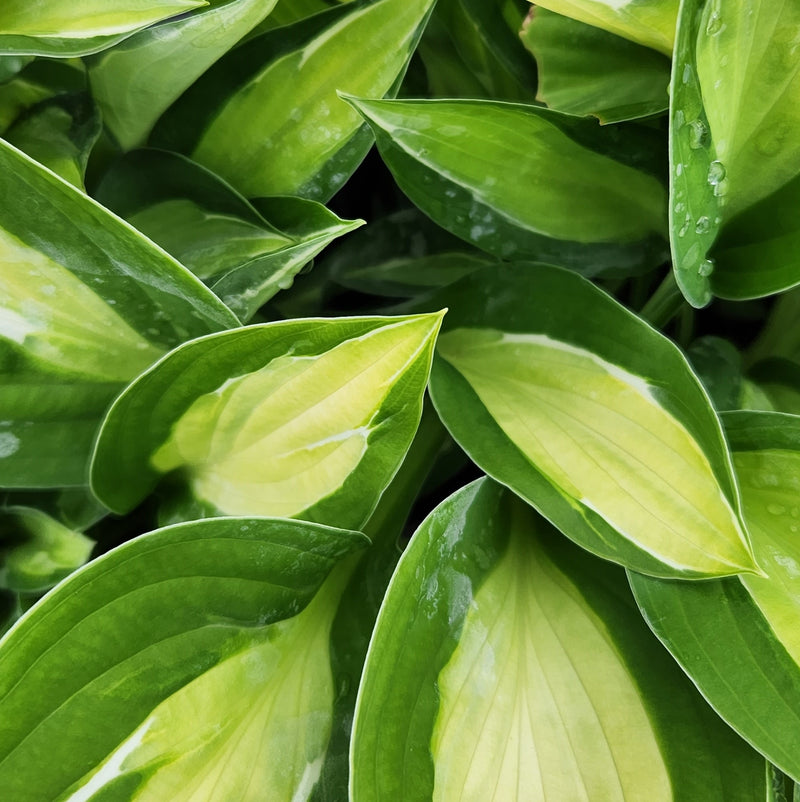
86	303
742	46
146	711
520	181
36	82
214	231
737	638
504	659
306	417
586	70
361	598
36	551
719	367
699	184
579	406
136	81
267	117
648	22
731	147
756	253
779	380
59	133
472	49
400	256
66	28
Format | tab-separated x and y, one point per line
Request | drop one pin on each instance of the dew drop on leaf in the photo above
705	268
703	225
698	134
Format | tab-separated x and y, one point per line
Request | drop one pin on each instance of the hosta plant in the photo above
400	401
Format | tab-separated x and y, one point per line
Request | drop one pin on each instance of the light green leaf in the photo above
307	417
267	118
36	551
731	148
585	70
748	65
66	28
737	638
521	181
86	303
59	133
649	22
505	658
136	81
595	418
247	602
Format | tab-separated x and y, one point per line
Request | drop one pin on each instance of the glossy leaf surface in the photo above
648	22
518	181
156	719
267	117
572	409
729	129
505	658
222	238
305	417
86	303
736	637
69	28
585	70
136	81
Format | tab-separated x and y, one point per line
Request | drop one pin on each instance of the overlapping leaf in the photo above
267	117
586	70
731	148
505	658
136	81
524	182
308	417
205	224
737	638
69	28
560	393
86	303
147	713
648	22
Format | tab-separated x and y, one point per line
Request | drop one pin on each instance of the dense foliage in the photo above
494	497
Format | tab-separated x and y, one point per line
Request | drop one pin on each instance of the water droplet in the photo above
679	168
717	179
793	528
723	62
687	73
680	207
705	268
702	225
715	25
776	509
698	134
679	118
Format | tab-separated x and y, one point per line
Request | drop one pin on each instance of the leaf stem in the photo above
664	303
